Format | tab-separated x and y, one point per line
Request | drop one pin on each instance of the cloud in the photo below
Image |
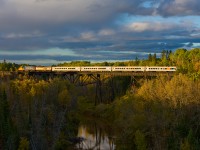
25	15
156	26
87	36
22	35
106	32
51	12
34	13
178	8
149	26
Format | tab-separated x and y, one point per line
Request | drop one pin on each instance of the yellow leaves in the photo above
182	91
32	92
178	91
197	66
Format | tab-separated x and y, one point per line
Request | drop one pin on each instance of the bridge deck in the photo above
128	73
106	73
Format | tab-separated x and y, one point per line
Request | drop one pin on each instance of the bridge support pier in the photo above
98	94
112	89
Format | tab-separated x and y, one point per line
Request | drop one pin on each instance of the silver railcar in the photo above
96	68
66	69
128	68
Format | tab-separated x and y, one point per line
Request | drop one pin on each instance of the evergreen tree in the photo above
150	57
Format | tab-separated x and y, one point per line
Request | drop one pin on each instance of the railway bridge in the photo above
84	78
99	79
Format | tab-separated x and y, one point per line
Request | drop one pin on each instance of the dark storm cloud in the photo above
44	12
140	46
102	57
23	14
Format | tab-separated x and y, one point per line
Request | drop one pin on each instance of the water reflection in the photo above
94	138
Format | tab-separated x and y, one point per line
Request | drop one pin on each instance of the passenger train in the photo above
98	69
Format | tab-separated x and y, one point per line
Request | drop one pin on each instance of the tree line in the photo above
187	61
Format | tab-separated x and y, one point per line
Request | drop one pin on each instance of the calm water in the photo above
95	138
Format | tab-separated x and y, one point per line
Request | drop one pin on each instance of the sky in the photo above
45	32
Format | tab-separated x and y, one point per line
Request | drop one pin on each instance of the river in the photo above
95	137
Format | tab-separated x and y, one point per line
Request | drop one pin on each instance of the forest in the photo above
157	113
